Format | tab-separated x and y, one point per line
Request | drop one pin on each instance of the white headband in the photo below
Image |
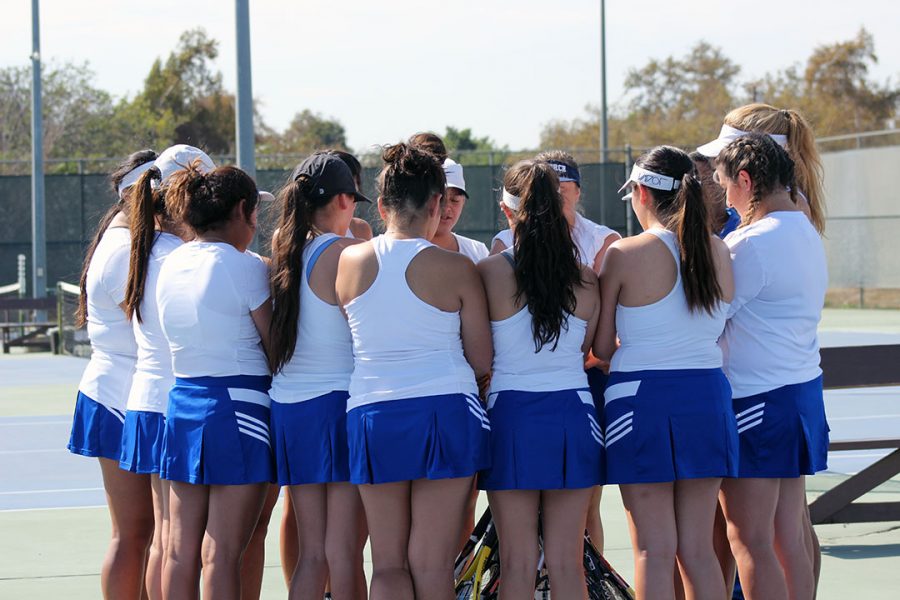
511	201
132	176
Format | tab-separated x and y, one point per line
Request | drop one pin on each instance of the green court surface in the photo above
54	528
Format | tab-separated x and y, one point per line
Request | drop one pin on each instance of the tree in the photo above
307	132
183	100
471	150
669	101
76	113
833	90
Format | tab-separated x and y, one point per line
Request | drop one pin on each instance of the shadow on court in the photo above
855	552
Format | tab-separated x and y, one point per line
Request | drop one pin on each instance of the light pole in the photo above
243	110
604	129
38	230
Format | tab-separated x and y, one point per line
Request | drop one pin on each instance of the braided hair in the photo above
767	164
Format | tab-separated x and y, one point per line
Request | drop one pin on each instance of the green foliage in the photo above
471	150
307	132
682	101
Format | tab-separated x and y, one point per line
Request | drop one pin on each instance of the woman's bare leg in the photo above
651	516
515	514
564	540
254	562
388	516
188	507
437	514
233	516
343	547
695	513
130	501
792	542
749	507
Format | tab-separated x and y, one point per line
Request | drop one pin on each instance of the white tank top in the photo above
403	347
107	378
153	374
667	335
323	358
518	367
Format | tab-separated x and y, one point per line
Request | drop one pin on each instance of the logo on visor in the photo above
558	167
650	180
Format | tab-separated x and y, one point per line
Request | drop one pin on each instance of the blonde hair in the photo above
801	146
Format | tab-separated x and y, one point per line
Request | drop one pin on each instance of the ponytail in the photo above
147	205
294	227
802	148
116	179
682	210
691	225
546	267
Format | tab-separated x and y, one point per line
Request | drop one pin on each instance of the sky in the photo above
387	69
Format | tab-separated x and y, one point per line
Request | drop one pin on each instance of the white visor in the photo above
513	202
727	135
132	177
651	180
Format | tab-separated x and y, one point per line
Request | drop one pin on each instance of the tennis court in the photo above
54	528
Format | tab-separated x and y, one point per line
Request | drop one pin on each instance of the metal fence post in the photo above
22	275
629	161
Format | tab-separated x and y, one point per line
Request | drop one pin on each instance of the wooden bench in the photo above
30	330
853	367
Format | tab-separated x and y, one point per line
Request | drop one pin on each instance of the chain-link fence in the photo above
861	238
75	203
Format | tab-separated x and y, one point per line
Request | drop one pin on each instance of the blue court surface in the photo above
43	486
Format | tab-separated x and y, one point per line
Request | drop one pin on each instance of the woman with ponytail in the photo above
154	235
312	358
214	306
103	390
772	361
546	443
792	132
421	341
669	431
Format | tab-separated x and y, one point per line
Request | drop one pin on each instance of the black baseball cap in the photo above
328	175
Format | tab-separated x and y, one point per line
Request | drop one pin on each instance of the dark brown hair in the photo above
767	164
547	269
410	177
134	161
148	203
432	143
683	211
204	201
297	208
353	163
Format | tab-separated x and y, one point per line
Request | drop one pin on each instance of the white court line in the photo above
13	510
863	417
19	492
18	423
33	451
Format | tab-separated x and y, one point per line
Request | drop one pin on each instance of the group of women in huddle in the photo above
383	380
